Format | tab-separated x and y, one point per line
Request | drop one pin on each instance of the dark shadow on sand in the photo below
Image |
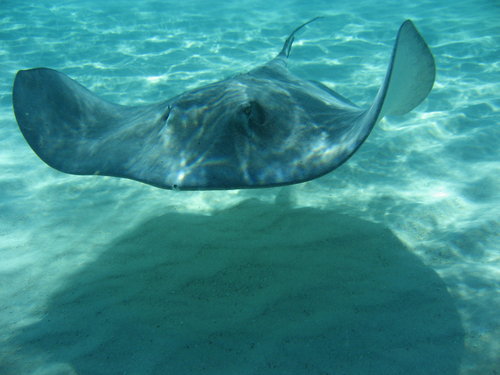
255	289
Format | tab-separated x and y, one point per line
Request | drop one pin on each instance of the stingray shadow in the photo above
255	289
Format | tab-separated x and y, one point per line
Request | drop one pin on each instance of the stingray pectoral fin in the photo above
75	131
409	78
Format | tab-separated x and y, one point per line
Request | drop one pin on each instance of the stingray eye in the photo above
255	123
258	114
165	115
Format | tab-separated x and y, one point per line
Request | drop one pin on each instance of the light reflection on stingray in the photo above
261	129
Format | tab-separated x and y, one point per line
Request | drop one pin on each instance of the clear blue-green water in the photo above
388	265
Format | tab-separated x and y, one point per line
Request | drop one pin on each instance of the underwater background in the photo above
388	265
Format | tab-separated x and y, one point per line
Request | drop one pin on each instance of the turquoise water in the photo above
390	264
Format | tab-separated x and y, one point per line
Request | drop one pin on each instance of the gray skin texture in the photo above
259	129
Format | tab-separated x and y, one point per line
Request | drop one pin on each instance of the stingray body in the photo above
263	128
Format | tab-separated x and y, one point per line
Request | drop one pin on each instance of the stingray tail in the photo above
409	78
285	51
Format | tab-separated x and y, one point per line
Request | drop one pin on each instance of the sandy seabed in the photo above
258	288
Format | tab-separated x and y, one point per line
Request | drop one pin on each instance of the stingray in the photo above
259	129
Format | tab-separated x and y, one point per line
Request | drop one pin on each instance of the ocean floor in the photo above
388	265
